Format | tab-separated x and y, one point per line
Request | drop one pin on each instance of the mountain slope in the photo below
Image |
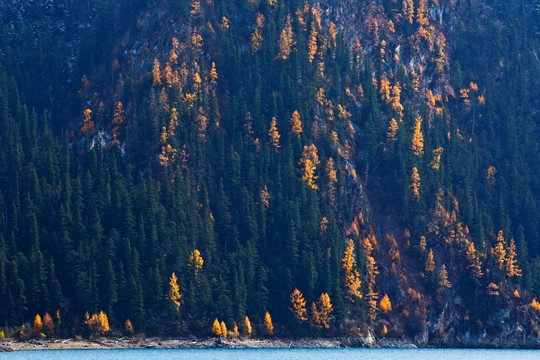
240	145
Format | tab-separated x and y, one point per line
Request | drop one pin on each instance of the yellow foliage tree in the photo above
321	311
498	252
247	324
195	262
156	72
296	123
256	41
414	187
408	10
385	305
535	305
309	174
474	263
48	325
436	162
213	74
312	42
223	329
298	305
430	262
38	324
268	324
174	291
512	268
351	276
216	327
392	130
265	196
118	120
444	283
274	135
418	137
286	40
128	326
88	124
98	323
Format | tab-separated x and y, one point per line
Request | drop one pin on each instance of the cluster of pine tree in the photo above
255	162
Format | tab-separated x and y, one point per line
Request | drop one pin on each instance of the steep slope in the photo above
240	145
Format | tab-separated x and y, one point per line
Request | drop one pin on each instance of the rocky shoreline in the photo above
247	343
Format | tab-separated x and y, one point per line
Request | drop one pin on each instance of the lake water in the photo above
274	354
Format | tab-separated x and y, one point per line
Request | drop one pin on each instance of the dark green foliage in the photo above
89	225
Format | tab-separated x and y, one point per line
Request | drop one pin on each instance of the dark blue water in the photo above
274	354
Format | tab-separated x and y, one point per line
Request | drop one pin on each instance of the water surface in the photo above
274	354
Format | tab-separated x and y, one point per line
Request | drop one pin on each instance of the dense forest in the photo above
270	167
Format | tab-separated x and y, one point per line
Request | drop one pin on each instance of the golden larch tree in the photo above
392	130
286	40
223	329
247	324
156	73
474	263
385	305
408	10
256	41
436	162
444	283
202	122
321	311
414	187
296	123
274	135
371	294
195	262
48	325
498	252
351	276
88	124
265	197
118	120
312	42
128	326
268	324
38	324
430	262
98	323
213	74
512	268
535	305
308	175
174	291
216	327
418	137
298	305
422	14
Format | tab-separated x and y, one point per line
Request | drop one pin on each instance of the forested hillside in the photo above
270	167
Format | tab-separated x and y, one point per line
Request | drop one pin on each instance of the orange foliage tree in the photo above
298	305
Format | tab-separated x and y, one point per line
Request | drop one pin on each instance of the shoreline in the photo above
248	343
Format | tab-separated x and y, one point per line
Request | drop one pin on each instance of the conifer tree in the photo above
268	325
174	291
298	305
